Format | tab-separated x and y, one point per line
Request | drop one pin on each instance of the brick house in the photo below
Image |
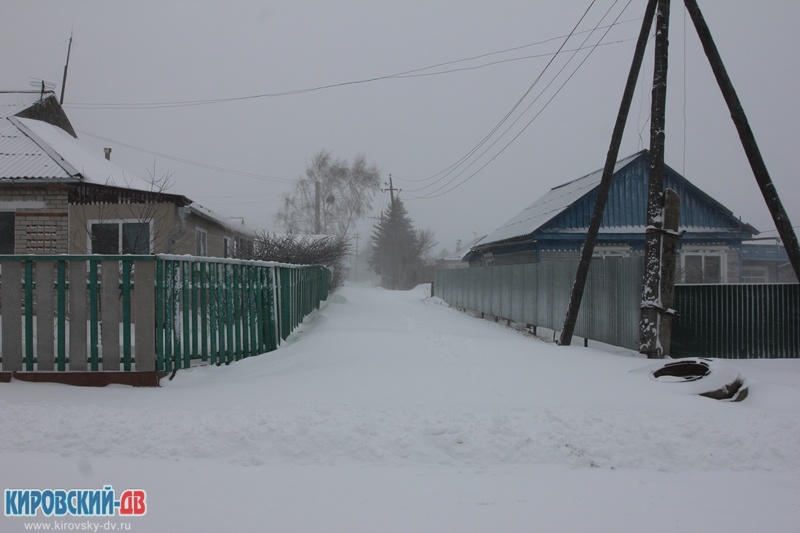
58	197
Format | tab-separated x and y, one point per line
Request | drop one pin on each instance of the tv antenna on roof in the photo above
45	85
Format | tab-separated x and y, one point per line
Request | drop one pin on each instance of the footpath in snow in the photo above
388	411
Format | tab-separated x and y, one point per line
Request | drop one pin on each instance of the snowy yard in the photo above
389	412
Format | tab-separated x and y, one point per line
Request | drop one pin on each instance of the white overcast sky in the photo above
411	127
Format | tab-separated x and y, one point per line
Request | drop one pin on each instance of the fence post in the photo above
145	325
44	314
77	315
11	299
109	311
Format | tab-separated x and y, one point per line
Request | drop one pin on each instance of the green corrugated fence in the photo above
737	321
93	312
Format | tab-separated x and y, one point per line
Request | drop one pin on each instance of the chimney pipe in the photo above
108	153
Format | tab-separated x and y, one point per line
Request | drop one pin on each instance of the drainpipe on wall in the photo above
183	215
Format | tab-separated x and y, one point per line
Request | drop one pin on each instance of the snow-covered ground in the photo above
390	412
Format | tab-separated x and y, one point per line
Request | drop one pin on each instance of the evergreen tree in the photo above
398	250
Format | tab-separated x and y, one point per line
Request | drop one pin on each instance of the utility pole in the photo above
747	137
317	225
652	306
392	235
391	189
355	262
663	206
605	182
66	66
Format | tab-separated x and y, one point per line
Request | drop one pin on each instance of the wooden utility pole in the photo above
663	209
605	182
669	263
779	216
652	307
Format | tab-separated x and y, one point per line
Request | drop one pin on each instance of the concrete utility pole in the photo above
391	189
317	224
355	259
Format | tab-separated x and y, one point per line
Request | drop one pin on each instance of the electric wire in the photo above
188	161
417	72
436	193
446	172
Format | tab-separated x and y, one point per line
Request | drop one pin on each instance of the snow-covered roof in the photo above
232	224
557	200
86	164
22	158
34	150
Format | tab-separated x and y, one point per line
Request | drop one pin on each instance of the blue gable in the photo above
625	211
559	220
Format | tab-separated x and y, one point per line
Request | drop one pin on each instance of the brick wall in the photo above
41	221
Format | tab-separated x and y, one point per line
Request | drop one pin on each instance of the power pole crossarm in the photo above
391	189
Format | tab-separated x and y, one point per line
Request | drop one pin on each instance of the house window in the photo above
754	274
604	252
227	245
704	266
112	238
200	243
7	232
244	248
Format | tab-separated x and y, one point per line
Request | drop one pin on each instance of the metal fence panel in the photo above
737	321
724	321
147	313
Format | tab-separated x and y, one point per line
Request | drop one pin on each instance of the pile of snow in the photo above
388	411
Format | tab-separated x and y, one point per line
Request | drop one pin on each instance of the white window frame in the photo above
707	251
227	247
761	277
119	222
200	242
603	251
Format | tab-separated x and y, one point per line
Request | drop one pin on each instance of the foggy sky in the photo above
411	127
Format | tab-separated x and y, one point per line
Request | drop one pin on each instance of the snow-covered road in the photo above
388	411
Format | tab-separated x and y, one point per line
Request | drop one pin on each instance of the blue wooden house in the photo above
554	227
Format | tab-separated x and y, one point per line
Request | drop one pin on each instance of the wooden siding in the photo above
627	202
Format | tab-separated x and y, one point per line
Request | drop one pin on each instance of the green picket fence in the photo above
147	313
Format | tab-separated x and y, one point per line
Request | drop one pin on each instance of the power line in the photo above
417	72
446	172
432	194
188	161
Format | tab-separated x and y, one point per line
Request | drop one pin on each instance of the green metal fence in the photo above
737	321
146	313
